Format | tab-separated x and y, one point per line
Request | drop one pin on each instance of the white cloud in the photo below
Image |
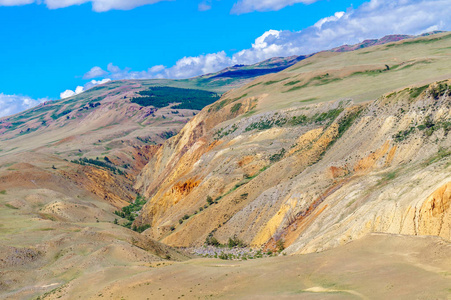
335	17
246	6
202	64
97	5
94	73
12	104
80	89
67	94
157	69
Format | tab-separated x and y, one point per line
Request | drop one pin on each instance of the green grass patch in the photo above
387	177
295	88
236	107
274	81
415	92
254	85
347	122
271	82
292	83
218	106
55	116
441	154
368	72
308	100
3	192
10	206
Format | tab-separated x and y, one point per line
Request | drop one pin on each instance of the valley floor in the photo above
378	266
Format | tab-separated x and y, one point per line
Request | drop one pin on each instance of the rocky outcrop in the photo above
314	177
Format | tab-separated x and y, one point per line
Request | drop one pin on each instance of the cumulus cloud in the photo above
184	68
372	19
12	104
95	72
80	89
246	6
97	5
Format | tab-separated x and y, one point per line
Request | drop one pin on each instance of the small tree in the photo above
280	245
211	241
209	200
235	242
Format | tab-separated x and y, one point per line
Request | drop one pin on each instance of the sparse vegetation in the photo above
277	156
167	134
141	228
10	206
236	107
130	212
268	123
415	92
212	241
347	121
439	90
55	115
386	177
403	134
442	153
107	164
218	106
221	133
280	245
235	242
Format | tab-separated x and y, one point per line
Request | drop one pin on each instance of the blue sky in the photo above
56	46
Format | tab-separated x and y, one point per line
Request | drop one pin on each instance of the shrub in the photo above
278	156
130	211
235	242
280	245
212	241
209	200
141	228
223	256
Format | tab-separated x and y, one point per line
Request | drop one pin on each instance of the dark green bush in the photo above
235	242
211	241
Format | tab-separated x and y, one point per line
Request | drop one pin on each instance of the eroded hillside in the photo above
333	148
